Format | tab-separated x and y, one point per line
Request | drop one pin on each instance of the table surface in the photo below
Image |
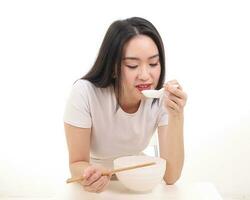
116	191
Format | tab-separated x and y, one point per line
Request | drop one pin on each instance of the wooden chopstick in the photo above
75	179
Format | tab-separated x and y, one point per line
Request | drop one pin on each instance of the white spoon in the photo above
155	93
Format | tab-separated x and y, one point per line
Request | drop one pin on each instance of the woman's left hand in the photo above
176	98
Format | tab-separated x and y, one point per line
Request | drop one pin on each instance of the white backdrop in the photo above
46	45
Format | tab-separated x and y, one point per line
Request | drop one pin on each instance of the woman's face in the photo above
140	67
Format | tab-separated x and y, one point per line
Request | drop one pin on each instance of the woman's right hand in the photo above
93	179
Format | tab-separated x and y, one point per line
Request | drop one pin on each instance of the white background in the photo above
46	45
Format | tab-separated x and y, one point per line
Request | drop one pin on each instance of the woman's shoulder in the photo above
86	86
83	85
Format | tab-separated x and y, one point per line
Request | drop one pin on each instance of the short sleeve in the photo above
77	110
162	117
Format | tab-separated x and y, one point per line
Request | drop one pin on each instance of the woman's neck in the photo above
128	104
129	107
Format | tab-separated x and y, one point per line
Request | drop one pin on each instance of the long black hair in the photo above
106	70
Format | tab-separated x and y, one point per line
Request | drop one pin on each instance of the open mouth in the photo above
142	87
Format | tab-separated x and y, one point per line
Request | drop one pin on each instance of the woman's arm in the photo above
78	140
171	136
172	148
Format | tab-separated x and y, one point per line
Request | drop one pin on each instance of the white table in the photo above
116	191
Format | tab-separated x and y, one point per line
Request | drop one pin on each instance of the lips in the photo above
142	87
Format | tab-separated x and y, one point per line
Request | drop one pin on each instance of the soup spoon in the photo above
156	93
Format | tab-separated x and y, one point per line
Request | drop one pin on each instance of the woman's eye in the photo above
154	64
132	66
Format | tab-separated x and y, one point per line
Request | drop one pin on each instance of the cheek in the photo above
129	76
156	73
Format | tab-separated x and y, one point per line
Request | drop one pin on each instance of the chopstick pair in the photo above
75	179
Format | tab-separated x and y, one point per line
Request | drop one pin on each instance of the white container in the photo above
140	179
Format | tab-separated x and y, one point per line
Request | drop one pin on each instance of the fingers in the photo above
176	97
103	186
91	175
98	185
179	101
172	83
172	105
176	91
94	180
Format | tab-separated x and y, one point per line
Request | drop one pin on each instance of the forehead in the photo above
140	46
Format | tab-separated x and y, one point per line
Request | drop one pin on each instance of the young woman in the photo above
107	116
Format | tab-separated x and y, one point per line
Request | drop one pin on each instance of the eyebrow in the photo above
135	58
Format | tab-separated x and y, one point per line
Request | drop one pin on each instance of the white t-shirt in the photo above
114	132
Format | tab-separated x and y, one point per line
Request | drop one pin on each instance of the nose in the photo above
144	73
